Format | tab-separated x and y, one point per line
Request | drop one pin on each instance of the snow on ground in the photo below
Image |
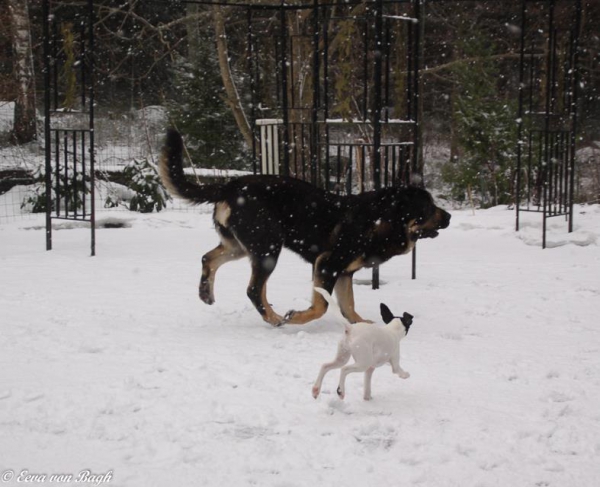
112	364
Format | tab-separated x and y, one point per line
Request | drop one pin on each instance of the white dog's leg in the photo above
396	369
368	375
348	369
341	359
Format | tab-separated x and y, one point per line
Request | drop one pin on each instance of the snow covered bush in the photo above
142	177
35	199
70	191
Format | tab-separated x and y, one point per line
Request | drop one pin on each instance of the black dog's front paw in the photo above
205	293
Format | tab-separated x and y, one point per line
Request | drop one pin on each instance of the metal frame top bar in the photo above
286	6
305	6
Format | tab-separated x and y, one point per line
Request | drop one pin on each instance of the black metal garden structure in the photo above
304	128
547	118
301	135
69	115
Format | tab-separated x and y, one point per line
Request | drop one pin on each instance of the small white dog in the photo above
369	344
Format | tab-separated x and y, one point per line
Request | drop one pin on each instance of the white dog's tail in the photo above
334	307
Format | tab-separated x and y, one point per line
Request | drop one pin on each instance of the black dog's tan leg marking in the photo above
324	278
345	297
317	309
257	289
225	252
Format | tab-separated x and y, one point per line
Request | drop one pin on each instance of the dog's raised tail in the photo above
333	306
170	168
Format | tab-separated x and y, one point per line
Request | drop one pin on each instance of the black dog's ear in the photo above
386	314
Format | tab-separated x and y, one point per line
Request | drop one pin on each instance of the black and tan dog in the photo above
256	216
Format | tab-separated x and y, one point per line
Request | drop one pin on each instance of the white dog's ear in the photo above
386	314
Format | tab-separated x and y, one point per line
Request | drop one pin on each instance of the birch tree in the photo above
24	122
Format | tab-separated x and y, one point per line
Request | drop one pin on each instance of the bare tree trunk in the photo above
231	92
193	33
420	169
24	126
454	136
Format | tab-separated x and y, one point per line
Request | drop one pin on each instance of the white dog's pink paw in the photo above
403	375
315	391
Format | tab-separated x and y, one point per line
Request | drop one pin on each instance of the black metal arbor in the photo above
339	106
69	114
547	118
304	126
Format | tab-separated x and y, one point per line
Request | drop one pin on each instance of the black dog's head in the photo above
418	210
387	316
414	208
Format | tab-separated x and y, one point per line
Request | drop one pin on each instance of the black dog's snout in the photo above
445	221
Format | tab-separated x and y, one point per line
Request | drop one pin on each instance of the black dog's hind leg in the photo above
262	268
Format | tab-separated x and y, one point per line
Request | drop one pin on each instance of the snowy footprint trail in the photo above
112	363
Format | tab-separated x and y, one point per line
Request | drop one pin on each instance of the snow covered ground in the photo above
112	364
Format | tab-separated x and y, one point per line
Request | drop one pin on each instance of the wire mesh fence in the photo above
125	139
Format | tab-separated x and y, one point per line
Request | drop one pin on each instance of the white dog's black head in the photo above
387	316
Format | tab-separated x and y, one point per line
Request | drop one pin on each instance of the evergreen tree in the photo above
485	125
199	110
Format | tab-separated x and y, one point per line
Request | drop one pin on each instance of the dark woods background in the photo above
191	60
